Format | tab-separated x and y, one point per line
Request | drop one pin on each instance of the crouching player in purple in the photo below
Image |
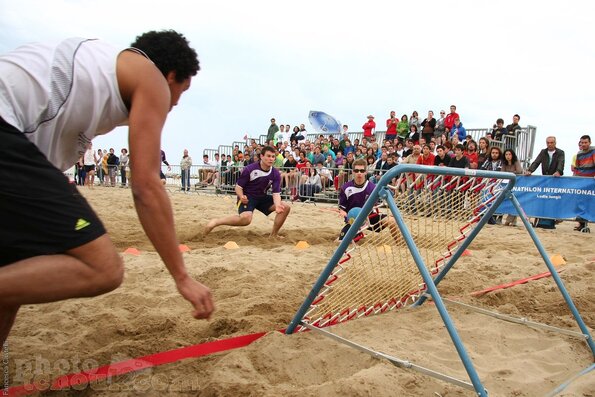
252	191
355	193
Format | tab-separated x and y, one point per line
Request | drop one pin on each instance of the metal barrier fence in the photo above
111	177
239	144
225	150
522	143
222	180
210	153
205	179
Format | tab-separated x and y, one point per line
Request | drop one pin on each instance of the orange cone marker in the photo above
557	260
302	245
132	251
231	245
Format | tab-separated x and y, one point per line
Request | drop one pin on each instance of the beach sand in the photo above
259	287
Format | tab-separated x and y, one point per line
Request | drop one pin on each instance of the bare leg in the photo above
89	270
209	179
280	219
90	179
394	230
7	316
244	219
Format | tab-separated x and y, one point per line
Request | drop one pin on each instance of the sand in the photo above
259	287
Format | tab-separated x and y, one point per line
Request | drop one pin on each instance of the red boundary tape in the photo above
136	364
513	283
170	356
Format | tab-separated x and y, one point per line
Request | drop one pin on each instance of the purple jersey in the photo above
163	160
256	182
352	196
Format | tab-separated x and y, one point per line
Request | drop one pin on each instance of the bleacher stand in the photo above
227	174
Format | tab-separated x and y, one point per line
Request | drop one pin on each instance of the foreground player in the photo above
53	101
354	194
251	189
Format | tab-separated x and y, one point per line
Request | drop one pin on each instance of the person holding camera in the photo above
498	130
391	127
428	126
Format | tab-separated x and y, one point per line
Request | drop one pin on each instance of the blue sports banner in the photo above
553	197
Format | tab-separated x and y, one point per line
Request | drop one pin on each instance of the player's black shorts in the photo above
263	204
41	212
89	168
374	223
374	220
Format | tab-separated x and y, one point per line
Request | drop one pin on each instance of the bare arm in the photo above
240	193
534	164
144	87
279	206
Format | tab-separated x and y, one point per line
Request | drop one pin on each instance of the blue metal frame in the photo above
363	215
381	193
554	273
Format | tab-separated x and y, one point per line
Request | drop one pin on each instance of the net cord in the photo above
433	291
393	360
516	320
465	243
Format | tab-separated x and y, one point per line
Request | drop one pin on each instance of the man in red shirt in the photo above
449	120
369	126
391	127
303	162
427	157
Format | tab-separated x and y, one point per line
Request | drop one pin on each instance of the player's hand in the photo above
199	296
244	199
279	208
342	214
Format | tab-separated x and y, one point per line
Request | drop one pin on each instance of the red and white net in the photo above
377	273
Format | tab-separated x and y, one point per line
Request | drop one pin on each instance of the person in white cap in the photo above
369	127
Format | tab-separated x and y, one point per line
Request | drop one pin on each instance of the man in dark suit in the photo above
551	159
552	163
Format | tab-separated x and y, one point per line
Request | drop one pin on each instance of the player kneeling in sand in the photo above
251	189
352	197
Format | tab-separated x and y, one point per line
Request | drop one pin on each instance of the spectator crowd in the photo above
311	166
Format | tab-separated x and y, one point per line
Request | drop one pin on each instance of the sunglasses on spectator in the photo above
359	171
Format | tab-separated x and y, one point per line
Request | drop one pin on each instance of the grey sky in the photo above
279	59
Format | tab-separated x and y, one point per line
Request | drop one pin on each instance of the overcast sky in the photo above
264	59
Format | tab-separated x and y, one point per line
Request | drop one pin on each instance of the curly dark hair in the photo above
514	156
170	51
